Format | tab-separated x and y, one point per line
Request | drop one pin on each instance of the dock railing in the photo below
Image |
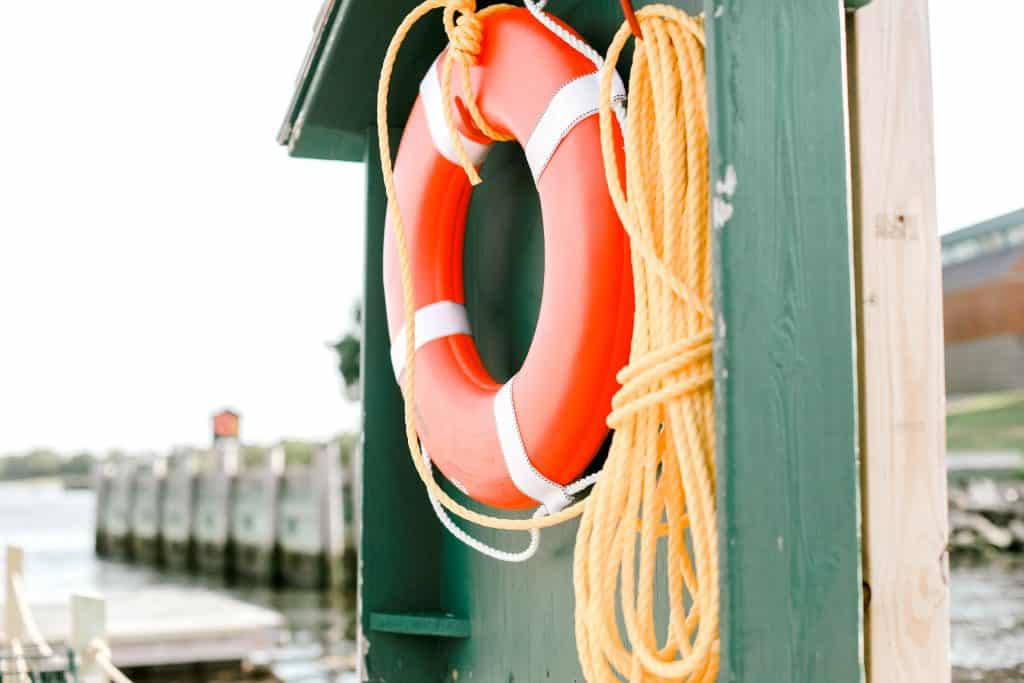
29	658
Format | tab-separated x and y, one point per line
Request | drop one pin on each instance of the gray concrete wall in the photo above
985	365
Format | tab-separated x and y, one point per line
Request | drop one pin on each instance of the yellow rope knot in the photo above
465	33
466	38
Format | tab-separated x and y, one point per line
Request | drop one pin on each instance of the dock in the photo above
269	523
964	465
173	626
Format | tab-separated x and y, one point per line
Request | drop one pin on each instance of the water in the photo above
987	615
56	529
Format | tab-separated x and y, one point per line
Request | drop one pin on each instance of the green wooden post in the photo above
399	548
785	365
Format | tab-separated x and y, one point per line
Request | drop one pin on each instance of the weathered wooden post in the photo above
118	511
88	627
254	517
177	518
148	496
100	478
899	309
215	485
311	524
327	464
787	359
350	487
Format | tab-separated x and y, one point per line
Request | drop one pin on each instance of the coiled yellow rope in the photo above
658	480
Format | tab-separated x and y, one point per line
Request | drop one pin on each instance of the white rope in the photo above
489	550
99	652
537	10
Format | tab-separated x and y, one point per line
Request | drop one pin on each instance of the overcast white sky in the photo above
161	256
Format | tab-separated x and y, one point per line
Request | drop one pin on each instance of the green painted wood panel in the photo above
334	101
784	349
441	625
785	384
399	548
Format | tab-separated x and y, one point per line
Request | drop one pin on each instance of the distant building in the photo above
983	308
225	425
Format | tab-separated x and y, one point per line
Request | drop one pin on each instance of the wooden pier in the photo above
129	631
146	510
177	511
207	512
311	523
172	626
254	519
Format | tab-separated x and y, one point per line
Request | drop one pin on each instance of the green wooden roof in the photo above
335	98
334	101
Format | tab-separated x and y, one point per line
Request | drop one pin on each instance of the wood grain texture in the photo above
784	347
900	314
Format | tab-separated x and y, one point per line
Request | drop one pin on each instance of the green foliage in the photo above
349	348
79	464
993	422
44	462
348	445
297	452
253	455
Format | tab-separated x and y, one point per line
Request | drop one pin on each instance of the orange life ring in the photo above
514	445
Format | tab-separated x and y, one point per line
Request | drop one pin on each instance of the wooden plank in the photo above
15	568
88	623
784	348
399	548
438	624
164	626
900	314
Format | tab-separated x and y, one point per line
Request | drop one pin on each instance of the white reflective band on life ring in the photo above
522	472
430	92
436	321
574	101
